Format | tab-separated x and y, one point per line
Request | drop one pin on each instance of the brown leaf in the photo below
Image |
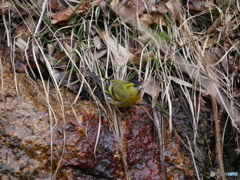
158	18
20	67
21	44
23	31
66	13
51	48
128	9
5	48
196	5
152	87
213	56
160	7
174	7
60	55
97	42
146	19
61	60
54	6
68	47
5	6
40	66
103	6
100	54
199	5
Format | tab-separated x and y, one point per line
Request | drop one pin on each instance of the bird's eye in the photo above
136	83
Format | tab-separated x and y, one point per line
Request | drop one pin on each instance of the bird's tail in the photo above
97	79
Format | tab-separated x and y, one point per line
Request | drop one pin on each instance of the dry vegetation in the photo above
192	43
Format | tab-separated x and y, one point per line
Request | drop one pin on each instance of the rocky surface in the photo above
38	140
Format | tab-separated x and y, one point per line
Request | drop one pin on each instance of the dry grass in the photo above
103	40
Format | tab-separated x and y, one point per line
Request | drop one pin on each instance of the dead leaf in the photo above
148	55
5	48
60	60
121	54
53	61
103	6
233	25
51	48
66	13
184	83
5	6
60	55
54	6
10	8
68	48
100	54
36	67
65	80
227	24
129	10
97	42
160	7
24	30
159	18
213	57
152	87
146	19
145	38
196	5
95	2
21	44
20	67
199	5
174	7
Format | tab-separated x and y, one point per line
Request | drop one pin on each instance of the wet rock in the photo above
38	140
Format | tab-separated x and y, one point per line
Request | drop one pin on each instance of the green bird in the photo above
121	93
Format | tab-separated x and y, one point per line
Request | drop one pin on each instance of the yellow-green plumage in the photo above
120	93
